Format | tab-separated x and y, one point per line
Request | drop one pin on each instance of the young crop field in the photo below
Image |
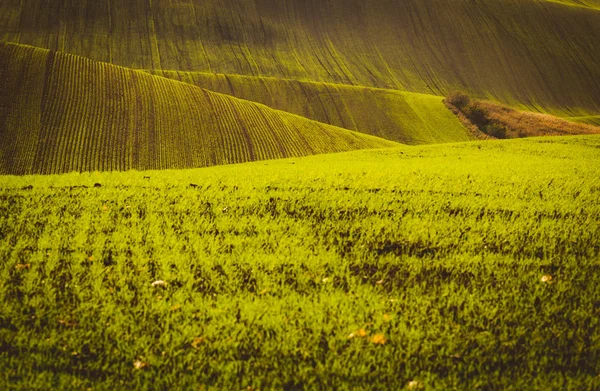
405	117
590	120
63	113
299	194
537	53
456	266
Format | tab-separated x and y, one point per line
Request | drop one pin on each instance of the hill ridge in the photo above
406	117
69	113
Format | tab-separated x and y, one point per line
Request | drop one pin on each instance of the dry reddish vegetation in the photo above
487	119
522	123
473	129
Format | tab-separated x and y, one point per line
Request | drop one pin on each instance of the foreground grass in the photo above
466	266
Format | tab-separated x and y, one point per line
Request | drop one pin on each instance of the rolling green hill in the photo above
405	117
535	53
65	113
126	262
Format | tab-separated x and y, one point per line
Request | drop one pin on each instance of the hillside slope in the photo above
400	116
595	4
589	120
537	53
64	113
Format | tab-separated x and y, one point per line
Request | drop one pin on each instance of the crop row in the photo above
66	113
393	115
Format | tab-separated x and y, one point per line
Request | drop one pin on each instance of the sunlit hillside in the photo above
299	195
590	120
441	267
405	117
63	113
595	4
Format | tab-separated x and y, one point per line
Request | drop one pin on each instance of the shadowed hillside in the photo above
590	120
537	53
394	115
64	113
595	4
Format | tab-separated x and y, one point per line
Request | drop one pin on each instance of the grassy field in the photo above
63	113
457	266
405	117
536	53
225	196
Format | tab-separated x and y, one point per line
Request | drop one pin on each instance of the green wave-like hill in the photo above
409	118
63	113
537	54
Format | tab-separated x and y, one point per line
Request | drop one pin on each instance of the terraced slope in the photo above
64	113
536	53
394	115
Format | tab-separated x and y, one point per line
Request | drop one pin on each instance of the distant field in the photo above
394	115
63	113
536	53
459	266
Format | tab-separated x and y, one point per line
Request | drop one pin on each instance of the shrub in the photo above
496	130
459	99
477	114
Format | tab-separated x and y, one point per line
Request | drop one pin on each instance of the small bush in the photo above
496	130
459	99
477	114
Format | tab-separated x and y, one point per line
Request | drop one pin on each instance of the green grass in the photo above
457	266
394	115
535	53
63	113
287	274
